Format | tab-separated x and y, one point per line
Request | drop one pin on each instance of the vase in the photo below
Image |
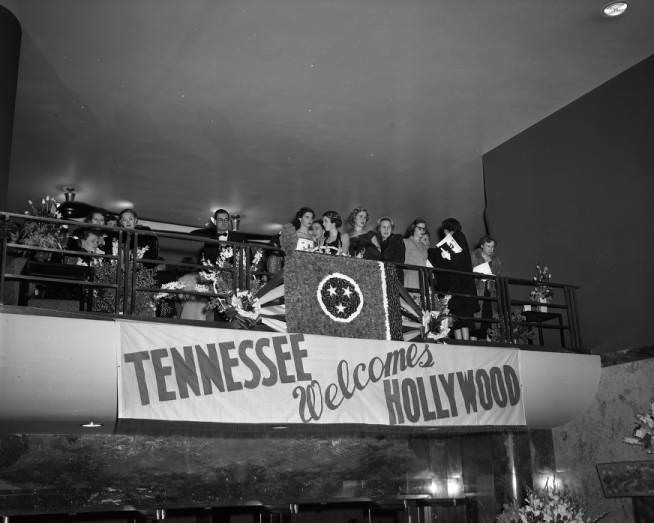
542	308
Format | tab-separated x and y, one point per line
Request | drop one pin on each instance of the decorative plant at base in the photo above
547	505
240	307
542	292
521	332
643	431
43	234
104	299
437	322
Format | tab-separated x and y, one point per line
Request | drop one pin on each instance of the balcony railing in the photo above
35	275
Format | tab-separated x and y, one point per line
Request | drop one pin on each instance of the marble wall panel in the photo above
597	436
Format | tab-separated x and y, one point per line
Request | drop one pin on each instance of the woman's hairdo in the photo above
352	216
334	217
89	216
300	213
385	219
84	233
451	224
413	225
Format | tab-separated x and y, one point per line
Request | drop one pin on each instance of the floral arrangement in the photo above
542	291
643	431
240	306
43	234
521	332
104	298
548	505
216	280
437	322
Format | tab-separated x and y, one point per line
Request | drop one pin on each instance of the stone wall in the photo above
596	437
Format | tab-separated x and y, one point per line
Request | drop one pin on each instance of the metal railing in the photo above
119	280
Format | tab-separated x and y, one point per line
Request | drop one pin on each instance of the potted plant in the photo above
43	234
542	292
521	333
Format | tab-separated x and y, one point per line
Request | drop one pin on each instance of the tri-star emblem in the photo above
340	297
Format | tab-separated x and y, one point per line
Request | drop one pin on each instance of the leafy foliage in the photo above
547	505
521	332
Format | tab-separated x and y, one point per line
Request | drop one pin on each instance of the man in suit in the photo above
221	231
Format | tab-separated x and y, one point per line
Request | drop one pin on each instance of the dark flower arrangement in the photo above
104	299
43	234
521	332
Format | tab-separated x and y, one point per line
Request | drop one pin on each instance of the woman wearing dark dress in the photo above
455	255
336	243
363	241
391	245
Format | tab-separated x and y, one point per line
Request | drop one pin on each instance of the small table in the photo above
60	271
539	318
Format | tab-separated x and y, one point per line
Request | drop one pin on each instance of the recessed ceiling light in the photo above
614	9
279	427
91	425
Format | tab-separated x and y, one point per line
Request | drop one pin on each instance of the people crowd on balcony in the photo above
350	237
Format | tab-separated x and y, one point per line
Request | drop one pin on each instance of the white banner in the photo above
183	373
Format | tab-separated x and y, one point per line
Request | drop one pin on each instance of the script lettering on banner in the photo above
183	373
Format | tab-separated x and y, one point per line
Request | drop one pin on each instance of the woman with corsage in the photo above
302	222
363	241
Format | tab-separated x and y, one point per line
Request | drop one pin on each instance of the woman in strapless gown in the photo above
302	222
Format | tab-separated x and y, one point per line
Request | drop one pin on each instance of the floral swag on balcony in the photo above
240	307
43	234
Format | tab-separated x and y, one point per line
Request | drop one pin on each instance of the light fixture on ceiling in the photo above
91	425
71	209
614	9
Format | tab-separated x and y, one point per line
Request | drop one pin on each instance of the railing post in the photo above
573	319
423	281
3	264
248	266
133	270
504	307
125	269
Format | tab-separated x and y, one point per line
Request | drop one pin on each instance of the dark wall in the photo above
575	192
10	34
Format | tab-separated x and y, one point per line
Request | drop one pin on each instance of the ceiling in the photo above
178	107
